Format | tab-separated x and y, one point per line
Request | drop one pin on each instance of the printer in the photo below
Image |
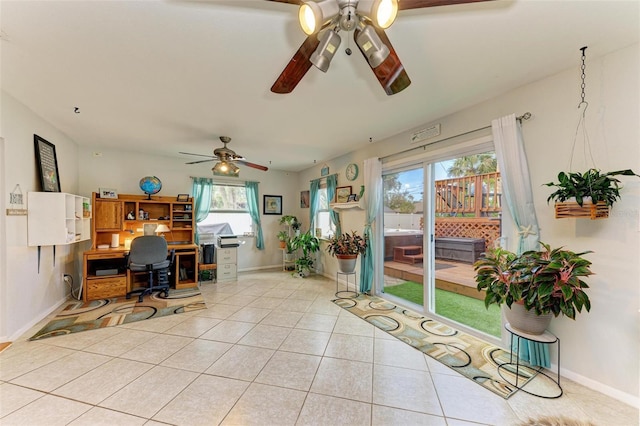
228	241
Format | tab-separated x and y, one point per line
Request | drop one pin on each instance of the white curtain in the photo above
518	196
371	200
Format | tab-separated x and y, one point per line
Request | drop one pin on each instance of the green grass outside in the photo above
463	309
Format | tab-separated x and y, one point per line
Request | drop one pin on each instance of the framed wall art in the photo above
108	193
272	204
304	199
342	194
47	163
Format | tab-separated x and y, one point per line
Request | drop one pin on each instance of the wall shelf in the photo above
357	205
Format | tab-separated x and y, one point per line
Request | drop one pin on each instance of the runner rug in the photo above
468	355
81	316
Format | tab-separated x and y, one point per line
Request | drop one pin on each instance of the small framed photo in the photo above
47	163
108	193
324	171
183	198
342	194
352	197
304	199
272	204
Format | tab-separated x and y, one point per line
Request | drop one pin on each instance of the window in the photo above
323	219
229	206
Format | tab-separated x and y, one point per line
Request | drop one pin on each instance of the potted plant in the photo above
591	188
283	237
309	245
345	248
288	220
535	285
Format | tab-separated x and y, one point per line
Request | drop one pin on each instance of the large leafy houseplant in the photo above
545	282
309	244
591	184
347	244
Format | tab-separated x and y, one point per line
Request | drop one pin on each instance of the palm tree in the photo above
472	165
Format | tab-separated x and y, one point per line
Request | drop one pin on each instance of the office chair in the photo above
149	254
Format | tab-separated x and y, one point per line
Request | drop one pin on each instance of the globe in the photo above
150	185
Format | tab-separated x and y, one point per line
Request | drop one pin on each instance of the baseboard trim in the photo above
628	399
16	335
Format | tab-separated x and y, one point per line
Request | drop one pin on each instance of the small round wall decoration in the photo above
352	171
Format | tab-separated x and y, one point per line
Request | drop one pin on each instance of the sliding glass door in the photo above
404	248
440	214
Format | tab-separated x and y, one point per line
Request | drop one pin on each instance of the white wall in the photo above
28	295
600	348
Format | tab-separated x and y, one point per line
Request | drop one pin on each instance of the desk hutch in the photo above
105	273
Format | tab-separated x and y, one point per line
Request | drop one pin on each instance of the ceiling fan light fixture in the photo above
224	168
371	45
313	15
381	12
322	56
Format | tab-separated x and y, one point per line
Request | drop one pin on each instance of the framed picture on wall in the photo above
304	199
47	164
272	204
342	194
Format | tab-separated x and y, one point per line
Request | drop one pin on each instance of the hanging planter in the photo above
590	194
587	195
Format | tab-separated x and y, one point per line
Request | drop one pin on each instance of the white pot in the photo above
347	262
527	321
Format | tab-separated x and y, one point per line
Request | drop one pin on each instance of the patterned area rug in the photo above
468	355
80	316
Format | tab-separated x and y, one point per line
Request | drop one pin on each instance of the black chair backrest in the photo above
148	250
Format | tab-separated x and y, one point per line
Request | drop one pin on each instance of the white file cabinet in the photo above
227	261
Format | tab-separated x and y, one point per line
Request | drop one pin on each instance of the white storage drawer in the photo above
227	272
227	255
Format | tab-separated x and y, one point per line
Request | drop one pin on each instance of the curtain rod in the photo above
324	177
525	116
216	179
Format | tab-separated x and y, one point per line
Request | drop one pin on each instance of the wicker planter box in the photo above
586	211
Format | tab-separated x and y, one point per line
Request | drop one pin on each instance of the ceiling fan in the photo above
322	20
226	159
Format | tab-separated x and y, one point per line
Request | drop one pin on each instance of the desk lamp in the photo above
161	229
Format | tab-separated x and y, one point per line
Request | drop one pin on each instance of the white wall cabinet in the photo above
227	261
56	218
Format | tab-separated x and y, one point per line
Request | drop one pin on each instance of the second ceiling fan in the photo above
322	20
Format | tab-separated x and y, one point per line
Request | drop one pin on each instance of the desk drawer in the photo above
227	272
227	255
104	288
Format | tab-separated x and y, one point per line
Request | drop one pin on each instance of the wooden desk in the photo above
105	272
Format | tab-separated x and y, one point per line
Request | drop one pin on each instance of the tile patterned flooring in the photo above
269	350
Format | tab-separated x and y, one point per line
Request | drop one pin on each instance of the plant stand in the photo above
346	294
546	338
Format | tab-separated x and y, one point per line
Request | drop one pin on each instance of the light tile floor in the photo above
269	350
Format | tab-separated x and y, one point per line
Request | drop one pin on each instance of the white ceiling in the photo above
173	76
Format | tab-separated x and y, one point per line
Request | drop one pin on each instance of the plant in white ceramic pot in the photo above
537	284
346	247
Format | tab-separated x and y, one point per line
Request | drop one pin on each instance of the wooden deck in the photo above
450	276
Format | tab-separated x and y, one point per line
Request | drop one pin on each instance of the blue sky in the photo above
412	180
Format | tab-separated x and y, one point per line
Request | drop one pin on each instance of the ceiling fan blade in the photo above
297	2
418	4
201	161
297	67
253	165
199	155
390	73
